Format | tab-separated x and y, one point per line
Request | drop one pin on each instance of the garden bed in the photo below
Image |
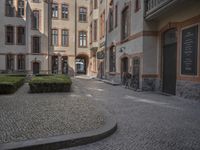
10	83
50	83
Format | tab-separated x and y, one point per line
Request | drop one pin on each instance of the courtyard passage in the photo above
146	121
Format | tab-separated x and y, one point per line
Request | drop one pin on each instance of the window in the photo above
65	11
9	35
91	6
111	19
95	4
125	23
83	39
137	5
102	25
21	62
35	20
116	15
54	36
112	59
82	14
55	11
36	44
91	33
9	8
65	38
95	30
21	35
10	62
20	9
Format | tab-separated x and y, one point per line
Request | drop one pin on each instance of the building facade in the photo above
156	41
44	36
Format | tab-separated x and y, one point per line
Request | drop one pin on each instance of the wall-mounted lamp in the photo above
35	59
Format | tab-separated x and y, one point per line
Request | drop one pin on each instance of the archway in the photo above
169	61
82	64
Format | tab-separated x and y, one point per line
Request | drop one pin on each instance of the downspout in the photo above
49	30
106	34
75	36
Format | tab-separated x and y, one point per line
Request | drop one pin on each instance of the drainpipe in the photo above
106	34
49	30
75	36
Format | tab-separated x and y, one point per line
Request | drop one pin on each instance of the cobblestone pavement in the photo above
26	116
146	121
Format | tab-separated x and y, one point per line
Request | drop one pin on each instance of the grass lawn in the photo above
50	83
10	83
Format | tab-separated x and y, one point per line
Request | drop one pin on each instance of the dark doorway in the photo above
169	62
64	65
101	69
124	69
136	72
124	64
36	68
55	64
81	65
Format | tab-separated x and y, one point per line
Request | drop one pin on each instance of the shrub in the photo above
10	83
52	83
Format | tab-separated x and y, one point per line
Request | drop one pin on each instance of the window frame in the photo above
83	14
12	35
52	15
32	46
19	8
112	59
56	37
84	38
22	67
35	20
9	8
17	36
62	14
123	21
67	37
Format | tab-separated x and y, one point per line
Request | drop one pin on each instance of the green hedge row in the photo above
10	83
51	83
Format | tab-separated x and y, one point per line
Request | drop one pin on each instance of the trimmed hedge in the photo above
51	83
10	83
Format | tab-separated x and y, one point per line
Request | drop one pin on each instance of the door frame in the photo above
162	54
33	66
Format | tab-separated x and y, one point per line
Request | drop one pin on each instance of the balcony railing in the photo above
153	6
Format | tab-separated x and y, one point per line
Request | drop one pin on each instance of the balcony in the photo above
153	8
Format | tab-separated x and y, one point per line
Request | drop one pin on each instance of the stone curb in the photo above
66	141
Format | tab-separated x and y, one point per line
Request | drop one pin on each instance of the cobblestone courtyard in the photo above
146	121
25	116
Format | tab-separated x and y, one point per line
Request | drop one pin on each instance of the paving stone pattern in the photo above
146	121
26	116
